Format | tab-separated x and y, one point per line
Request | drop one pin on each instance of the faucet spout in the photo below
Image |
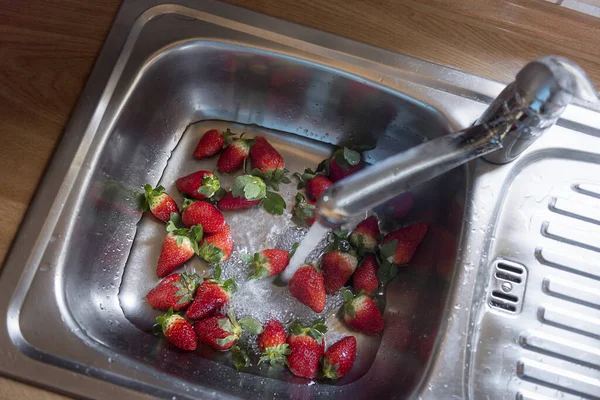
516	118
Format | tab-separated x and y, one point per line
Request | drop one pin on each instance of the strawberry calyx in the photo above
149	195
338	240
346	158
210	185
210	253
349	299
329	369
272	178
228	285
165	321
259	264
228	136
276	355
231	325
193	234
187	285
239	357
316	331
302	211
303	178
249	187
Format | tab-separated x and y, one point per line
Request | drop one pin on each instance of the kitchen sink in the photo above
501	299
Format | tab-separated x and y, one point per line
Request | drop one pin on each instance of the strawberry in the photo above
221	332
339	358
272	343
267	163
234	155
344	163
365	276
159	203
178	331
315	183
228	203
366	235
338	266
361	313
211	295
307	345
202	213
199	185
211	143
304	212
176	291
268	262
398	247
217	247
308	287
178	246
317	186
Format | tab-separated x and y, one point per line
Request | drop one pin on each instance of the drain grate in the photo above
507	286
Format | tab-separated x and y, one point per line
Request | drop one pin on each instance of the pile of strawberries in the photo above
366	258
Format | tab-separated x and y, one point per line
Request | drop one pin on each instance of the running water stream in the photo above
313	237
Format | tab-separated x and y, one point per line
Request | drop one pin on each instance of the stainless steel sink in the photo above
501	300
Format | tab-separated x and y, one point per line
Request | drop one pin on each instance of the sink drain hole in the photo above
507	286
504	296
501	275
510	268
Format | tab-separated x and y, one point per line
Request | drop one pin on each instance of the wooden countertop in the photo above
47	48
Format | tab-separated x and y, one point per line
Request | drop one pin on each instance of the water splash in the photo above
314	236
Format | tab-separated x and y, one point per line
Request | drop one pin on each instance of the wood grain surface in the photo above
47	48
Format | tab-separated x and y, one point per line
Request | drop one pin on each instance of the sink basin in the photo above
84	257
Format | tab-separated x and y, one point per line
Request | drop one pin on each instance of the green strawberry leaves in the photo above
346	158
302	211
210	253
294	248
338	241
210	185
272	178
149	194
387	272
388	249
304	177
250	187
251	325
193	234
239	357
315	331
276	354
274	203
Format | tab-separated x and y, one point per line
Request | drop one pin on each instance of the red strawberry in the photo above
304	212
398	247
211	143
205	214
199	185
365	276
234	155
344	163
361	313
268	262
317	186
228	203
221	332
314	182
307	345
338	266
366	234
178	246
176	291
308	287
217	247
339	358
178	331
159	203
272	343
264	156
211	295
267	163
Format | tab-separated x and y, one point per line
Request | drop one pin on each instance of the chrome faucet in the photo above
522	112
